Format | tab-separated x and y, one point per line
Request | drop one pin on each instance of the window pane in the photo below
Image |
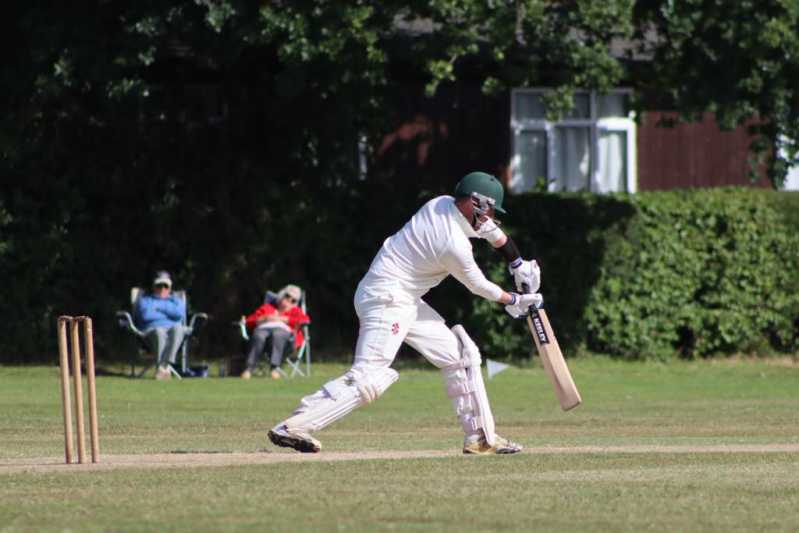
612	173
582	106
612	105
528	106
530	160
572	158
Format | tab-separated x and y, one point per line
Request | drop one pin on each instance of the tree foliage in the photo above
219	139
739	60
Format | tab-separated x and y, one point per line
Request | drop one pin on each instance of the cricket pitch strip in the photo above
183	459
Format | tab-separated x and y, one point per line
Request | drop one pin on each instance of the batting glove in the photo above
526	274
518	307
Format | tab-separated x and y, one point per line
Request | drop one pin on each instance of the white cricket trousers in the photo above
390	316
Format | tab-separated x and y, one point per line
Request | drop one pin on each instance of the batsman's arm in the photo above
507	298
491	232
523	272
460	263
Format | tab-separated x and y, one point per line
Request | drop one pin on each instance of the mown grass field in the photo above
680	446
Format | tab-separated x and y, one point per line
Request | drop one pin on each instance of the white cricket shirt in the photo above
432	245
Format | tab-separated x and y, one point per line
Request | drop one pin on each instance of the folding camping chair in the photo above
126	322
296	357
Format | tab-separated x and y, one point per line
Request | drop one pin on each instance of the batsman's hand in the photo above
522	302
526	274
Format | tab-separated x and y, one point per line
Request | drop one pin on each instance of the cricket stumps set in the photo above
69	354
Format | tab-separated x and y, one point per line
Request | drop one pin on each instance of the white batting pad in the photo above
466	388
339	397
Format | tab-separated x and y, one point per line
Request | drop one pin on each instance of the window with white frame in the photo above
792	177
592	148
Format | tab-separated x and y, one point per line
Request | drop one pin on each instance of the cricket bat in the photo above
552	359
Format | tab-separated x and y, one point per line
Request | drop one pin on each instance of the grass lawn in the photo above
646	450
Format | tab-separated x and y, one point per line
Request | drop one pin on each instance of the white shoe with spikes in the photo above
479	446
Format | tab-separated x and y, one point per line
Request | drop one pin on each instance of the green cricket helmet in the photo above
482	185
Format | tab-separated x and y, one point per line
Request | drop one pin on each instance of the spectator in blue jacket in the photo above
161	315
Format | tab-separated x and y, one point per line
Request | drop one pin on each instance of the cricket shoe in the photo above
479	446
299	440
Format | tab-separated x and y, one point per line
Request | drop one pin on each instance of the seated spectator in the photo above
279	323
161	315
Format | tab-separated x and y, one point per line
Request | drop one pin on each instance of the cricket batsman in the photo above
434	244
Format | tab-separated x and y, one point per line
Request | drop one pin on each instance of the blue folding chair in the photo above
126	322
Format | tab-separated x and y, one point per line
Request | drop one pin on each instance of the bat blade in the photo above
552	359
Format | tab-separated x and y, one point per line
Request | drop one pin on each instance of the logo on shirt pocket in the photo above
395	328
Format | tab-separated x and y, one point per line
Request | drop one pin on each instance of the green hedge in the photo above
658	274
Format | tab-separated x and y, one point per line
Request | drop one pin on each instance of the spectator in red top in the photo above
281	323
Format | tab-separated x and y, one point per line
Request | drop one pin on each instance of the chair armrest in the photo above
304	327
202	317
241	324
125	321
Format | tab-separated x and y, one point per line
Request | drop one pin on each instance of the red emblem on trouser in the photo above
395	328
